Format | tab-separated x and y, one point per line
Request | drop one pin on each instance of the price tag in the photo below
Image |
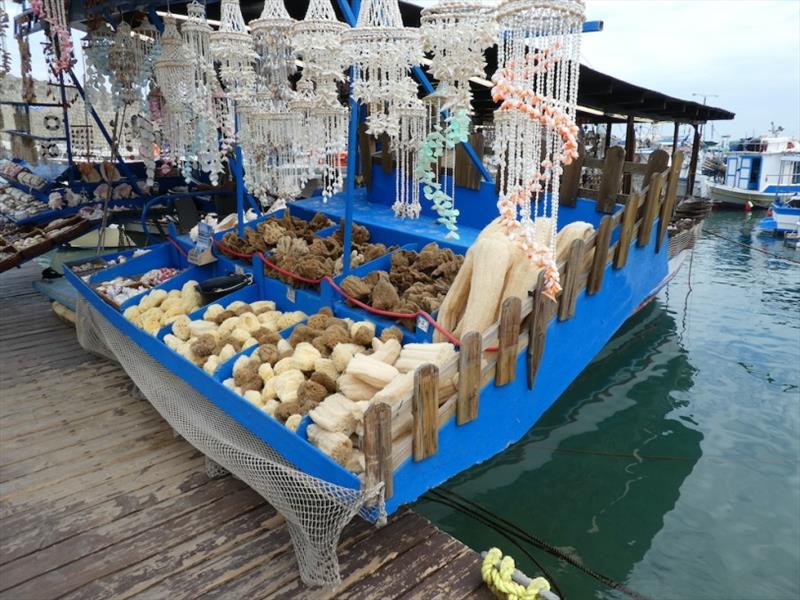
201	253
238	269
291	294
422	324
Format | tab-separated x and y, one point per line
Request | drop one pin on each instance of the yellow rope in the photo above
500	580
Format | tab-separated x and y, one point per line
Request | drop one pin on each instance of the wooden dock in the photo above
98	499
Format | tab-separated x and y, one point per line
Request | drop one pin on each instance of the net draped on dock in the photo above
316	511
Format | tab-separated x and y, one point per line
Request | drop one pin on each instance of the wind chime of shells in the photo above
174	73
5	56
211	111
456	35
123	67
59	49
318	40
232	47
535	130
271	134
382	51
96	44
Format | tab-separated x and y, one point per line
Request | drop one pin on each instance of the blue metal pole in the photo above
238	174
67	134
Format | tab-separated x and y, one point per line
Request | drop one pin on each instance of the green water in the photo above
672	464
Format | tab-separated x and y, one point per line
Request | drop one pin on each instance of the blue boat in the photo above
783	217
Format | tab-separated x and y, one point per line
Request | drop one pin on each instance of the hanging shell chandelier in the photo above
5	56
123	67
96	44
232	46
537	87
275	55
382	51
318	40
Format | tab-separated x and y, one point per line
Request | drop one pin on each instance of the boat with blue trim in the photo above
758	171
783	217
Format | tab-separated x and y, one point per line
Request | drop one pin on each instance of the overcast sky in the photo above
745	54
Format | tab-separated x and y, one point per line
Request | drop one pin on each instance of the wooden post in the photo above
537	329
657	163
630	151
469	378
425	409
668	207
366	146
466	174
600	259
387	160
569	291
378	448
612	179
626	232
675	138
571	178
690	176
607	143
508	341
651	206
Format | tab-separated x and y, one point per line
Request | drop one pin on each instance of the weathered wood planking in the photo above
650	210
508	341
466	174
600	259
537	329
626	231
571	178
424	409
611	182
571	283
100	501
658	162
670	196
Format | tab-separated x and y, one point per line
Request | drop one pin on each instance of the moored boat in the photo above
783	217
758	171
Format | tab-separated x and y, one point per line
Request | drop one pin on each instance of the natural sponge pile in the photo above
266	235
226	331
320	257
160	307
417	280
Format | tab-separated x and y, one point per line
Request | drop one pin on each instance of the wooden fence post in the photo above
651	206
626	232
537	329
571	178
425	410
600	259
668	207
569	287
657	163
469	378
378	448
508	341
612	179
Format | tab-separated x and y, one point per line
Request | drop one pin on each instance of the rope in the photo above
501	583
751	247
501	525
177	246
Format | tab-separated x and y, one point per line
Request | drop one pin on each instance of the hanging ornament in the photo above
318	40
275	55
96	44
537	86
232	46
456	35
413	121
174	69
123	66
54	13
5	56
382	51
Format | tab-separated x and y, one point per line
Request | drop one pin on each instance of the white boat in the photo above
783	217
759	171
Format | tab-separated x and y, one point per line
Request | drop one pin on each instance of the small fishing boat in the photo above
758	171
783	217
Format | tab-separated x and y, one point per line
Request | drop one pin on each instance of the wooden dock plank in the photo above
98	499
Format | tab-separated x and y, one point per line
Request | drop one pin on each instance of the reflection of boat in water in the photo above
632	485
759	171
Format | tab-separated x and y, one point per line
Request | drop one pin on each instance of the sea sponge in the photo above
235	305
384	295
223	316
228	325
132	313
334	335
324	380
242	310
305	355
262	306
287	383
326	367
190	287
293	422
319	321
290	318
212	312
228	351
200	327
356	288
267	353
284	348
253	397
151	325
303	333
212	364
286	364
265	336
311	391
269	393
240	363
392	333
204	345
249	342
247	377
239	336
362	332
342	354
181	328
270	405
265	371
326	310
249	322
157	297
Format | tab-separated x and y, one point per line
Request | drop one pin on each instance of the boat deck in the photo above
99	499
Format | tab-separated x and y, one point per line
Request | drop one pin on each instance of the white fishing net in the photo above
315	511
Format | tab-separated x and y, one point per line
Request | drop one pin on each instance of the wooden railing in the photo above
410	429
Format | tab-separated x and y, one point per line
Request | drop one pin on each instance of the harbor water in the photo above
672	464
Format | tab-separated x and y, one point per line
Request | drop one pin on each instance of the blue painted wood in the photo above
289	445
507	413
